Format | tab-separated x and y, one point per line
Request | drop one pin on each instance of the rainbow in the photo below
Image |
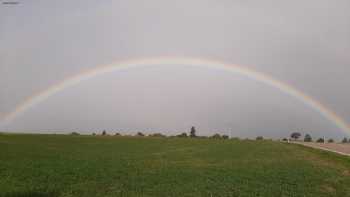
164	61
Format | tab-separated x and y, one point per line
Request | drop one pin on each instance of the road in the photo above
343	149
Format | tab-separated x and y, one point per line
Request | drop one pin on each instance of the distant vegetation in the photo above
193	134
259	138
307	138
295	135
74	133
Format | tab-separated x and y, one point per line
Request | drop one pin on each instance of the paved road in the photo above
343	149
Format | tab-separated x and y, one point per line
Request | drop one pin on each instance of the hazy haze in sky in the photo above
303	43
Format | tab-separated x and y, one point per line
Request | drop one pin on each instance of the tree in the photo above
295	135
307	138
182	135
93	134
74	133
284	139
140	134
225	137
216	136
320	140
157	135
117	134
104	132
193	132
259	138
345	140
330	140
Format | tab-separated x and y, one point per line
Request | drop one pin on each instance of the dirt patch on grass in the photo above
328	189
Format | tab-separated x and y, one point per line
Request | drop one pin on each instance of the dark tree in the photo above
216	136
74	133
320	140
93	134
117	134
284	139
345	140
225	137
330	140
140	134
259	138
182	135
104	132
193	132
307	138
295	135
157	135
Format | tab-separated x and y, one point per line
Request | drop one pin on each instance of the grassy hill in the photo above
60	165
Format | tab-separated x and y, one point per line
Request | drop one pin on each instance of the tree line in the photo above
307	138
192	134
295	136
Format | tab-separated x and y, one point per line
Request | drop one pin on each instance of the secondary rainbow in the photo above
166	61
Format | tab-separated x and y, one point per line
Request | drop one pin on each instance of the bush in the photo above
93	134
216	136
117	134
225	137
140	134
320	140
307	138
285	139
104	132
183	135
157	135
330	140
345	140
74	133
259	138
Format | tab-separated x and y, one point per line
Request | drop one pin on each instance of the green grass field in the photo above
62	165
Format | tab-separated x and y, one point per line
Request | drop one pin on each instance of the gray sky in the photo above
303	43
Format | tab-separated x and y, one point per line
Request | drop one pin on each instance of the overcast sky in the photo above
303	43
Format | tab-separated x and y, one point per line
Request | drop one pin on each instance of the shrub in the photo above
330	140
320	140
225	137
259	138
104	132
74	133
157	135
117	134
182	135
307	138
216	136
345	140
284	139
93	134
140	134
